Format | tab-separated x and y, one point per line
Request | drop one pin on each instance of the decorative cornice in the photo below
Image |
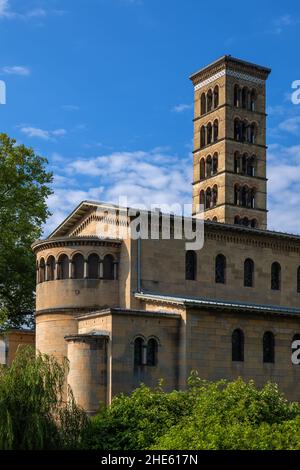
73	242
230	73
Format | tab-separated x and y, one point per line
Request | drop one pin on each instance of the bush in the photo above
33	412
234	416
135	422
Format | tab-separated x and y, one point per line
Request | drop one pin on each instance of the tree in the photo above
24	189
135	422
36	412
236	416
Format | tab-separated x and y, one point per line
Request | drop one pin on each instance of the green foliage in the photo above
221	415
24	188
136	421
236	415
33	413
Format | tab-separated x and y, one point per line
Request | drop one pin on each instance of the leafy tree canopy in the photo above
24	188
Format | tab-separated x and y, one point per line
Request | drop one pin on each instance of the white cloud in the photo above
144	178
6	12
42	133
181	108
291	125
283	22
15	70
284	188
70	107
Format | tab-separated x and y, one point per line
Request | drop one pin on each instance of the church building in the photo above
126	310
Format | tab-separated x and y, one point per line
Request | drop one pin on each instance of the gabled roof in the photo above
85	206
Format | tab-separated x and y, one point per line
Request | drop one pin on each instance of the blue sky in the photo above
100	87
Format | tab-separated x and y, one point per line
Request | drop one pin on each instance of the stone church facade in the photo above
126	311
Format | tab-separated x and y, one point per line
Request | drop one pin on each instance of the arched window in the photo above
275	276
244	194
209	133
237	342
251	166
63	267
202	198
202	137
215	195
42	270
208	199
216	130
244	97
215	219
202	169
252	133
108	267
220	269
253	223
208	166
236	96
248	273
237	220
245	127
252	198
215	164
190	265
152	348
78	266
244	163
252	100
50	268
93	266
245	221
237	130
203	104
268	347
209	101
236	194
216	96
236	162
298	280
139	352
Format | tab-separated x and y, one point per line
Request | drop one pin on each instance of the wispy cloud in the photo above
144	177
7	12
180	108
42	133
291	125
15	70
283	22
70	107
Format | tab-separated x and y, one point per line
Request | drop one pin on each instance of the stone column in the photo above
115	270
101	269
70	269
88	370
85	272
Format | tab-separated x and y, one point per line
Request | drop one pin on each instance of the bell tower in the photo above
229	173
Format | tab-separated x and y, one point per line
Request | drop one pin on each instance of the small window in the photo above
268	347
139	347
275	276
78	266
152	348
108	267
93	266
238	345
220	269
63	267
42	270
190	265
248	273
50	268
